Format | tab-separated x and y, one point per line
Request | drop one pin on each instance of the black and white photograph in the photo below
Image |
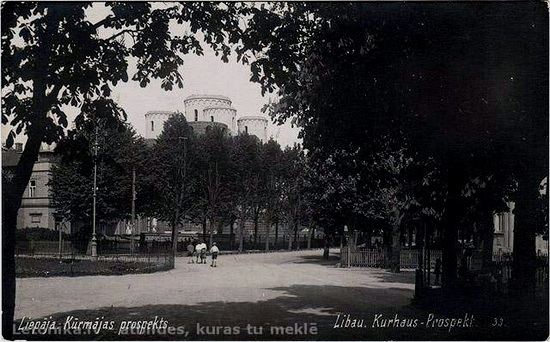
275	171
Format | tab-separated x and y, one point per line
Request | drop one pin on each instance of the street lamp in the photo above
179	173
347	243
58	223
94	238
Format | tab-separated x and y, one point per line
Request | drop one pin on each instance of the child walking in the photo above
214	251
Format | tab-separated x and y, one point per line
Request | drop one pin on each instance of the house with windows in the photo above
37	209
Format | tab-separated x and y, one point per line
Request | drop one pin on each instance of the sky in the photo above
202	75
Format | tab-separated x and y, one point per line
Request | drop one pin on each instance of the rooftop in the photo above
252	118
220	107
207	96
163	112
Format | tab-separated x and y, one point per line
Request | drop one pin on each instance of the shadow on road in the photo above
301	312
318	260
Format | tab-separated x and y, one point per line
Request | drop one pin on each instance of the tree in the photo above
173	182
119	151
449	78
293	192
273	169
213	171
245	184
54	55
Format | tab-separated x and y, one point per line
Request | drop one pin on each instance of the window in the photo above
35	217
196	115
246	129
32	188
212	118
152	126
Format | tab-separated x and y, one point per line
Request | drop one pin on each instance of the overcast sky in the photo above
202	75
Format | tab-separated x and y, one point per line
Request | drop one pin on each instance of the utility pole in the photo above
94	238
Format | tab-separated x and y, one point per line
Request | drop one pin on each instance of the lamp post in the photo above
58	217
94	238
132	243
347	244
182	171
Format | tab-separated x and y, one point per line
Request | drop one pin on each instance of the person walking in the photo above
190	252
202	252
198	248
214	252
326	250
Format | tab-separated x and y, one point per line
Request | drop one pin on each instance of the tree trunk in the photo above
204	229
450	239
368	237
12	196
211	239
267	225
175	233
241	235
231	238
9	223
394	254
267	229
276	233
290	240
309	237
410	234
395	247
296	236
256	217
524	235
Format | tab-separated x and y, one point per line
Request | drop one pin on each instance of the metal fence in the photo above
43	247
81	265
159	259
409	258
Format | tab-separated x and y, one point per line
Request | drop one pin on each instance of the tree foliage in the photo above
448	80
119	151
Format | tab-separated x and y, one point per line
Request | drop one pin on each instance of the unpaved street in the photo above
276	296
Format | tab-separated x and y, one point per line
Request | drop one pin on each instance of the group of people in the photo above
197	250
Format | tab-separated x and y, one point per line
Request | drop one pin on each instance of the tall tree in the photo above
293	192
118	153
245	184
273	170
170	169
213	172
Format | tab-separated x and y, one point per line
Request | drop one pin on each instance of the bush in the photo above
81	237
38	234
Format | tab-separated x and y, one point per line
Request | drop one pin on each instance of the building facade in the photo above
210	108
503	241
203	111
36	209
253	125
